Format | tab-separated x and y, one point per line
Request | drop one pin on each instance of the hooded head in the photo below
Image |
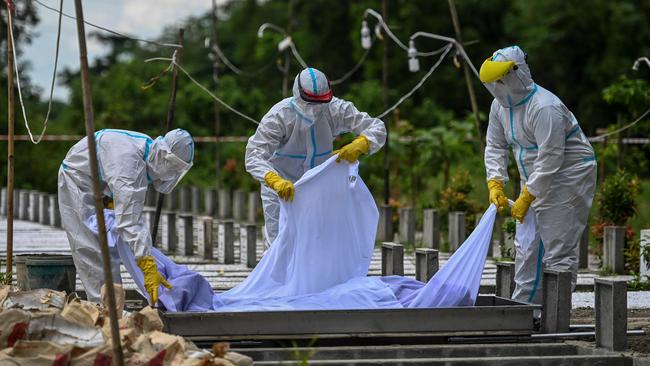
507	76
311	91
171	157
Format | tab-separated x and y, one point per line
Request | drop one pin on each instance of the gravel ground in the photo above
635	300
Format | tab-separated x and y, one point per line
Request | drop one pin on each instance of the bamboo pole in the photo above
10	148
171	109
118	357
215	82
468	77
384	78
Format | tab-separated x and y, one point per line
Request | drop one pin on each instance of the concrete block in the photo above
254	204
392	259
431	229
225	206
239	205
171	200
556	301
426	263
645	247
611	313
385	226
185	234
3	201
211	202
456	230
583	256
197	193
407	225
55	214
44	209
169	232
226	244
505	281
206	246
185	199
248	245
613	248
34	197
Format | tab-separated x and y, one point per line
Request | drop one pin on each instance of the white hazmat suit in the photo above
297	135
128	161
555	161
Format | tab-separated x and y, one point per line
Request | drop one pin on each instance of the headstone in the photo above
149	214
456	230
556	301
392	259
185	234
611	313
34	198
254	204
169	235
385	226
3	201
407	225
613	248
505	281
644	265
225	206
171	200
185	199
44	209
211	202
248	245
431	229
206	246
23	209
583	258
17	205
197	192
55	214
226	244
426	263
239	205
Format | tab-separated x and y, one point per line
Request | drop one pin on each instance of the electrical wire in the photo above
20	93
222	56
174	63
602	137
116	33
353	70
419	84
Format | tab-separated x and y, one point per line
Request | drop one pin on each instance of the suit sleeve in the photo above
347	118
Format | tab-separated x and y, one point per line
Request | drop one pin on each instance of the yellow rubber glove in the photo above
521	205
496	194
351	152
283	187
152	278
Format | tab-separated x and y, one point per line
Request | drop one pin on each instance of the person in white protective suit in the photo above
297	134
557	167
127	161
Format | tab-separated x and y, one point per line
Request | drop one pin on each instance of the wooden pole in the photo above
171	108
384	77
118	357
215	82
468	77
10	148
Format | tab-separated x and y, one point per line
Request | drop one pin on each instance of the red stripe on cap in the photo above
324	97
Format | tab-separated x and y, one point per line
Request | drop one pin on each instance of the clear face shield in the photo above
176	168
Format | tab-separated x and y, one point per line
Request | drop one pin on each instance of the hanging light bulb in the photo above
366	42
414	63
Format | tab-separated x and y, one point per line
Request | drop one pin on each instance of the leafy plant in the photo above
5	278
617	198
456	196
639	283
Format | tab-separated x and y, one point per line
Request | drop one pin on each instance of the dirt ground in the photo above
636	319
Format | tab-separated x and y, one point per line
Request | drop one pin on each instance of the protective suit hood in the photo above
516	86
311	92
171	157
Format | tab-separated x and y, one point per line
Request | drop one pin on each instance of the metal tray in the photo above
492	315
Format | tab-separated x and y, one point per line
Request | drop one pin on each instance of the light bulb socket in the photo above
366	41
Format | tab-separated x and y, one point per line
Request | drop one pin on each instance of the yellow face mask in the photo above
492	71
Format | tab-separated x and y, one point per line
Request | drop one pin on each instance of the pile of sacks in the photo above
45	327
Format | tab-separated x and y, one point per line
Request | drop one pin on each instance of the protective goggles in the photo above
314	98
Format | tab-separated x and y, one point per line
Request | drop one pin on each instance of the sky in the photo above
140	18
